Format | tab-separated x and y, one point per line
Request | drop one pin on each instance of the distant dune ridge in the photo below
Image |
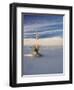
54	41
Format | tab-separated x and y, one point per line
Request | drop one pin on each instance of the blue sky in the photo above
45	25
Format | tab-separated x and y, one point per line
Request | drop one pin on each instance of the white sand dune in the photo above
55	41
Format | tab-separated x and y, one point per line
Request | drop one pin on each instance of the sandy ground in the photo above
51	61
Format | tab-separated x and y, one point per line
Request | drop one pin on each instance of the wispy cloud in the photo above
46	26
45	32
33	27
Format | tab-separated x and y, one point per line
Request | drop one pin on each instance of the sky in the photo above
47	26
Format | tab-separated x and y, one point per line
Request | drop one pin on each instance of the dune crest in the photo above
54	41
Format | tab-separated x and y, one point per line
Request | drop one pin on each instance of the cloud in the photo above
33	27
46	27
45	32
